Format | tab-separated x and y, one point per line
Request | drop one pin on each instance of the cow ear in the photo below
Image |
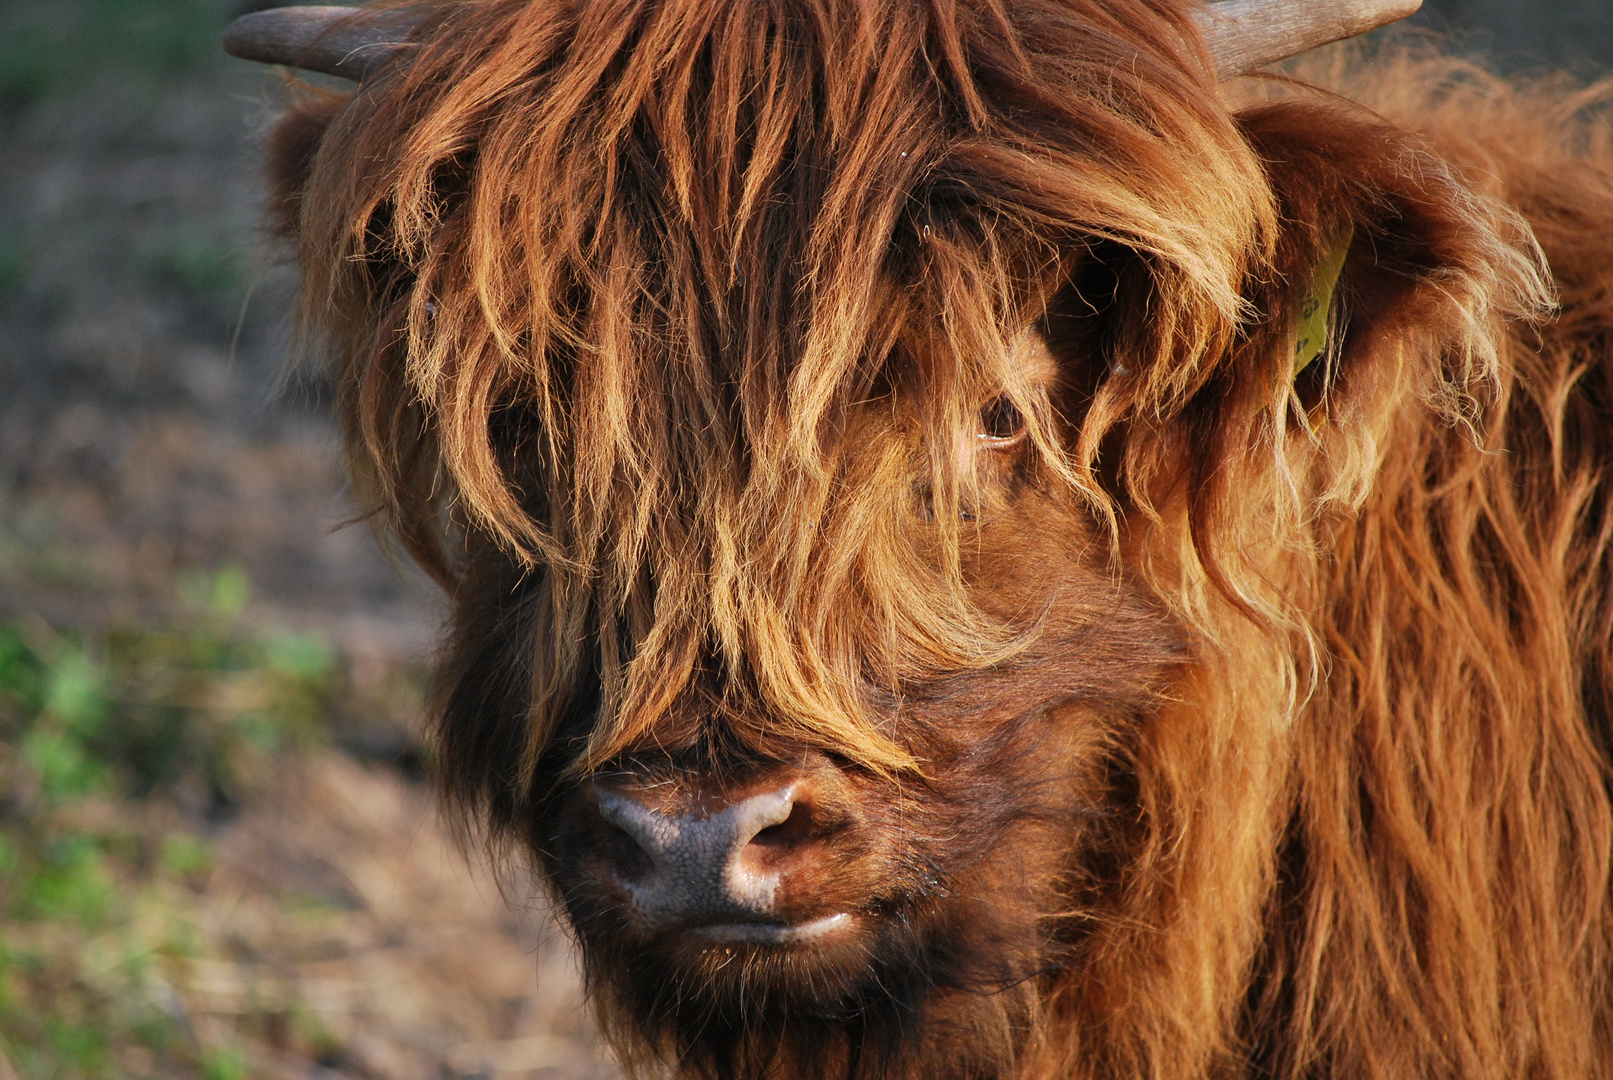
1388	259
291	149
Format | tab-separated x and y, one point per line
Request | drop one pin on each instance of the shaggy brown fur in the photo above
901	394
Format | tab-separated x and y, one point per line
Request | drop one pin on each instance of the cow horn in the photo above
345	41
1241	35
1244	35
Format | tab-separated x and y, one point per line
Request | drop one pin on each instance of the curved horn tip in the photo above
1245	35
344	41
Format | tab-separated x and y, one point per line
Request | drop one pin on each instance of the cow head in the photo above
864	446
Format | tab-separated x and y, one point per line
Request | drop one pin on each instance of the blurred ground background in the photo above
1529	34
218	854
218	857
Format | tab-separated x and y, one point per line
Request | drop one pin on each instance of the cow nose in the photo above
716	868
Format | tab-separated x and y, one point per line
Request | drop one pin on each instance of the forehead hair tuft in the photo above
669	303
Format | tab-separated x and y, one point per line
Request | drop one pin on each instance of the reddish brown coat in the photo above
895	402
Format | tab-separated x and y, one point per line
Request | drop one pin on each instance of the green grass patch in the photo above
185	856
93	929
225	1063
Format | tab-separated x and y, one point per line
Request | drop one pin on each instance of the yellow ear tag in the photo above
1313	310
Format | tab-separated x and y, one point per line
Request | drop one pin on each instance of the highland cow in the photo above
979	547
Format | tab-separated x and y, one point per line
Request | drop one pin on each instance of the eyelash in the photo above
1001	424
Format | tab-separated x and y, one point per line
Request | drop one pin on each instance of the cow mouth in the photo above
821	929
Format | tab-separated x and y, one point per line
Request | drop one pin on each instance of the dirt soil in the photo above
153	435
351	913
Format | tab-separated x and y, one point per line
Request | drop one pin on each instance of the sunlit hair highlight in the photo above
623	281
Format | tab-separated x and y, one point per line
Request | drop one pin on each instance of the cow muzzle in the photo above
720	867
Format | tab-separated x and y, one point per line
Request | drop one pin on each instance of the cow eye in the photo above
1001	425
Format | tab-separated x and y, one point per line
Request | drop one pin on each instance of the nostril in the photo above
791	831
702	866
626	855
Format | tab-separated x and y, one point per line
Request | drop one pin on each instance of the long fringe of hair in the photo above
626	280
